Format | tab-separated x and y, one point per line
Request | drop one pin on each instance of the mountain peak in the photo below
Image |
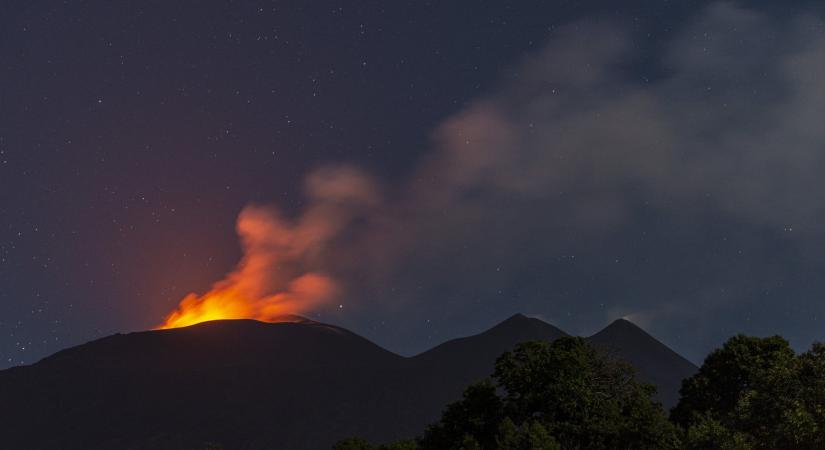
286	318
624	330
519	318
282	379
490	344
515	318
292	318
521	325
524	326
623	324
660	365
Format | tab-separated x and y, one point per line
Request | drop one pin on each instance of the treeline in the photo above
753	393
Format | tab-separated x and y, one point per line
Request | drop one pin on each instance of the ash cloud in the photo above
585	189
735	119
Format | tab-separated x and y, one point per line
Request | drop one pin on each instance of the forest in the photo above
752	393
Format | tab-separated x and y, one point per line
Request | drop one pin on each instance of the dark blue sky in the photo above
578	161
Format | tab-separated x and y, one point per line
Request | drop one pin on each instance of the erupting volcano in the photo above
282	271
272	281
228	301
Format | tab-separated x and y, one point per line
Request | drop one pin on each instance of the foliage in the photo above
755	393
563	395
530	436
751	394
812	395
469	423
708	433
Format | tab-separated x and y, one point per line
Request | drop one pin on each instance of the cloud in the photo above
733	122
588	149
585	151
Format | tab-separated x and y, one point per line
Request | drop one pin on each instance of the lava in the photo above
271	281
285	269
225	301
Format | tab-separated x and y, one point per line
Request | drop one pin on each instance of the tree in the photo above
530	436
708	433
563	394
472	421
812	392
582	397
753	393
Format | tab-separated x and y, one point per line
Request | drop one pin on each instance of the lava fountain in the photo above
226	301
282	271
271	280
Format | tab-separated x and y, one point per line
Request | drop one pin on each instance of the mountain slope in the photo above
656	363
244	384
444	371
483	349
247	384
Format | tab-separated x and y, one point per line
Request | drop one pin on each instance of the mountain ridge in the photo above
250	384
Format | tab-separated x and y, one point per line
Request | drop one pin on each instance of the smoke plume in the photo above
579	152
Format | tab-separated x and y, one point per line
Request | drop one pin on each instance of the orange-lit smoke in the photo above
281	272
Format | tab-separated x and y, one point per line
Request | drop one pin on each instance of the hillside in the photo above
248	384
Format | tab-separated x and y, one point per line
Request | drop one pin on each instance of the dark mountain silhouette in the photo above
243	384
246	384
444	371
482	349
655	363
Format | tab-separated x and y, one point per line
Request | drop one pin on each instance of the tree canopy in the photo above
755	393
750	394
563	394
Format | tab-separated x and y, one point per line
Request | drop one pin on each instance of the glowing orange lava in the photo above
226	301
280	273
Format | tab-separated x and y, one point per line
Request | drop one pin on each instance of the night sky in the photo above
444	164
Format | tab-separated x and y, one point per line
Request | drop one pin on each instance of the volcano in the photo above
245	384
654	362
